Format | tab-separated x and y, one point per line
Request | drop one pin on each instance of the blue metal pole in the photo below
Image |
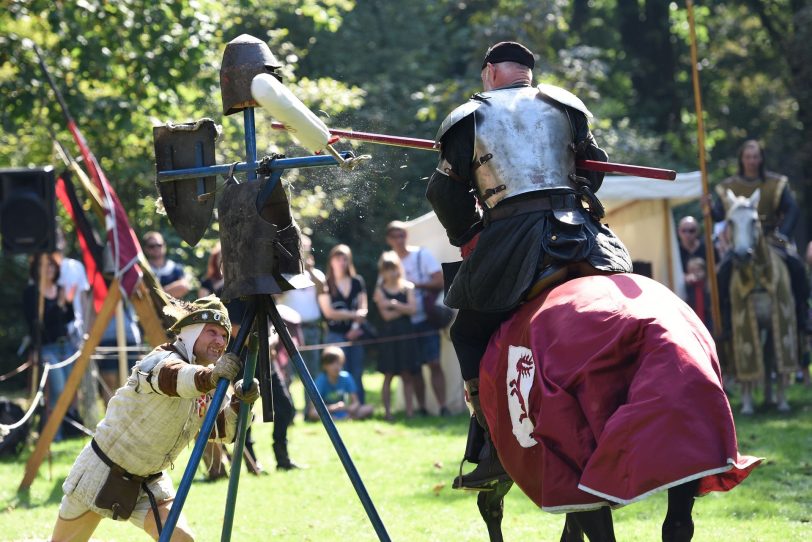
276	165
239	442
327	421
250	139
205	431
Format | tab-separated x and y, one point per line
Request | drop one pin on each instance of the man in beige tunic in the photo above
121	473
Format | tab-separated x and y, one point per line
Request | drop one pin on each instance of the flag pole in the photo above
707	220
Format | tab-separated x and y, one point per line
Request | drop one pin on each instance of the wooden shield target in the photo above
181	146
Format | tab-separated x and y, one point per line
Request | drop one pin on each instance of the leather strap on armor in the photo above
552	202
584	189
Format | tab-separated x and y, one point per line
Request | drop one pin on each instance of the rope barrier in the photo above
16	371
78	426
364	342
6	428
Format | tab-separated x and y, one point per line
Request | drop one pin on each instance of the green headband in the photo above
206	310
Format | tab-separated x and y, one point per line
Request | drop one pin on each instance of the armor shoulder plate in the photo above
455	116
565	97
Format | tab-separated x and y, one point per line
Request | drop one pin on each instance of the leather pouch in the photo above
568	242
119	493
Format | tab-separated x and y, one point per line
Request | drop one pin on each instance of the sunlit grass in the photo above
407	468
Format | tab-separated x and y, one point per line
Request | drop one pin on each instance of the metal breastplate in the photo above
522	144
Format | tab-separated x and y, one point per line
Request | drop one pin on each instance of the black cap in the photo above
509	51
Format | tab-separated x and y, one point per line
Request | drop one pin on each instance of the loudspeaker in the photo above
28	210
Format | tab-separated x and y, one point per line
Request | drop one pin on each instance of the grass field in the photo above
407	468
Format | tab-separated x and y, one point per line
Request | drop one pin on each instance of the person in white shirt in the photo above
424	271
72	279
305	302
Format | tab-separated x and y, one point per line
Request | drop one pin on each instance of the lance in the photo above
710	257
429	145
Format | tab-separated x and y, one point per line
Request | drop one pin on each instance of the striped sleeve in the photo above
176	378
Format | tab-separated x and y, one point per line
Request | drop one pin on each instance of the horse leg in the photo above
595	524
491	507
781	394
769	366
572	530
678	525
747	398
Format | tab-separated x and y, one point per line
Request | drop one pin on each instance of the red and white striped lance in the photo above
429	145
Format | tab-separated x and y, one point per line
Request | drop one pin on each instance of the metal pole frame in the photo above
242	427
327	421
257	307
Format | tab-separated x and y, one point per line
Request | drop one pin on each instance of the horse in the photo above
600	392
764	325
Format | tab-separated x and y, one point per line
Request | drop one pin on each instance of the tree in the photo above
788	24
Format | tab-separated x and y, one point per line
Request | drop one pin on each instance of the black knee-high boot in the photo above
489	469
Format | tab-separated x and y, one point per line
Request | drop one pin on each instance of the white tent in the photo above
638	210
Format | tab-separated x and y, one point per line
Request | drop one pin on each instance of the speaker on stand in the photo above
27	210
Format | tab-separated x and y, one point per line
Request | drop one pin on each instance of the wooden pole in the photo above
669	236
121	343
710	257
142	303
75	378
36	340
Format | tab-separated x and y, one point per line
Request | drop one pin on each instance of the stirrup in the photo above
457	483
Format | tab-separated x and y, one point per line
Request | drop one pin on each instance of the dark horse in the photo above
601	392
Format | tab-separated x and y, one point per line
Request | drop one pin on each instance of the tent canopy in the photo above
639	211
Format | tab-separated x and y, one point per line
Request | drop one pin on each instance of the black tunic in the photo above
398	356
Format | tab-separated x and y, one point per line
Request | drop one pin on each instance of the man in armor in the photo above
778	213
121	473
508	193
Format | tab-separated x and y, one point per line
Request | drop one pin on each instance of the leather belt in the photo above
553	202
110	463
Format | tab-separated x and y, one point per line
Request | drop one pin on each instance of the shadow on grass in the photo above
23	499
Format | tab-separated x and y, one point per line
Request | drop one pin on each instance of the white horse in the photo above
762	306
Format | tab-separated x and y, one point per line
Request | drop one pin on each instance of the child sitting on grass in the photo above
337	389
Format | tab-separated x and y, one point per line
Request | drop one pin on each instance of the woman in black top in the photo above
395	298
57	314
344	305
